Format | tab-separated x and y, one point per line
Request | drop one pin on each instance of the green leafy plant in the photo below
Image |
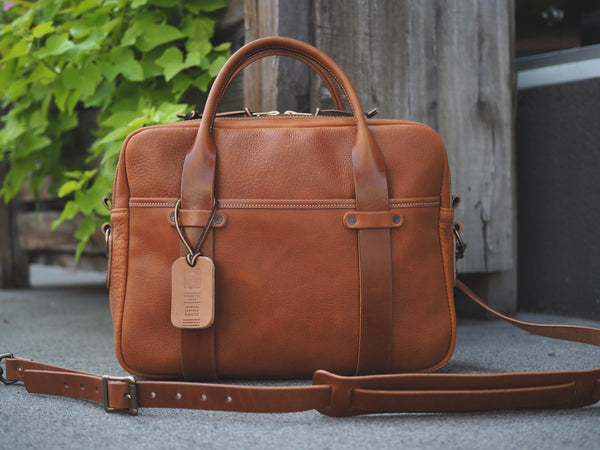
124	63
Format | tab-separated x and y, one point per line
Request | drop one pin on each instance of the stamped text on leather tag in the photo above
193	293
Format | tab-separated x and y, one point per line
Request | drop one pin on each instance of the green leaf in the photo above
50	7
198	29
83	80
42	75
108	70
167	112
11	132
172	62
132	70
205	5
137	3
86	5
127	64
6	75
65	122
102	96
192	60
68	188
120	118
203	81
55	45
216	65
85	202
201	47
107	28
131	35
92	42
222	47
32	143
115	135
181	83
69	212
17	88
43	29
164	3
19	49
151	69
156	34
15	179
60	96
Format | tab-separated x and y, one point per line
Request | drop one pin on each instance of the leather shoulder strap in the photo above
335	395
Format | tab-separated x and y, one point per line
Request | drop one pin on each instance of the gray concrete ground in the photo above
65	320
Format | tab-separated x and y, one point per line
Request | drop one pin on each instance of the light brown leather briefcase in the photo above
331	241
274	246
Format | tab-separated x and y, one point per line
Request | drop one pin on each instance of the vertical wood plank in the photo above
260	91
14	270
447	64
277	82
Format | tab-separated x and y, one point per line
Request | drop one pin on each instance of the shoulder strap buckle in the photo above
132	395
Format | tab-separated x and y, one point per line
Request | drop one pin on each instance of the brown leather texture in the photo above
297	286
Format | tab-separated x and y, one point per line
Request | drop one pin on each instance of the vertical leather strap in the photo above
375	345
198	346
375	259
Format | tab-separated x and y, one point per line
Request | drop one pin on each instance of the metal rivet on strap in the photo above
396	219
228	399
218	220
351	220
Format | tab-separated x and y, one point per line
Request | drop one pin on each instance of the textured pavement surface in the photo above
65	320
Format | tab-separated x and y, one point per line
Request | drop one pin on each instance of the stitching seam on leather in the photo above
413	204
152	204
225	204
283	205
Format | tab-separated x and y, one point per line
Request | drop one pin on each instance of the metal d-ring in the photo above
2	379
461	245
193	254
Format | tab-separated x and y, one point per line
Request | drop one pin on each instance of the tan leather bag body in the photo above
332	240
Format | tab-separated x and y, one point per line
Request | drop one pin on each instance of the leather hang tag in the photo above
193	293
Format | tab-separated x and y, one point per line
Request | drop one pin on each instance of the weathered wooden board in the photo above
445	63
14	271
274	82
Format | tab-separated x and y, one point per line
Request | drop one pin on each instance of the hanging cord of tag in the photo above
194	253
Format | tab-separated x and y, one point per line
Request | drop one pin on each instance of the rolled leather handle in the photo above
197	184
335	89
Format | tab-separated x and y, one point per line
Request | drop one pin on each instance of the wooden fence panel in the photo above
447	63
